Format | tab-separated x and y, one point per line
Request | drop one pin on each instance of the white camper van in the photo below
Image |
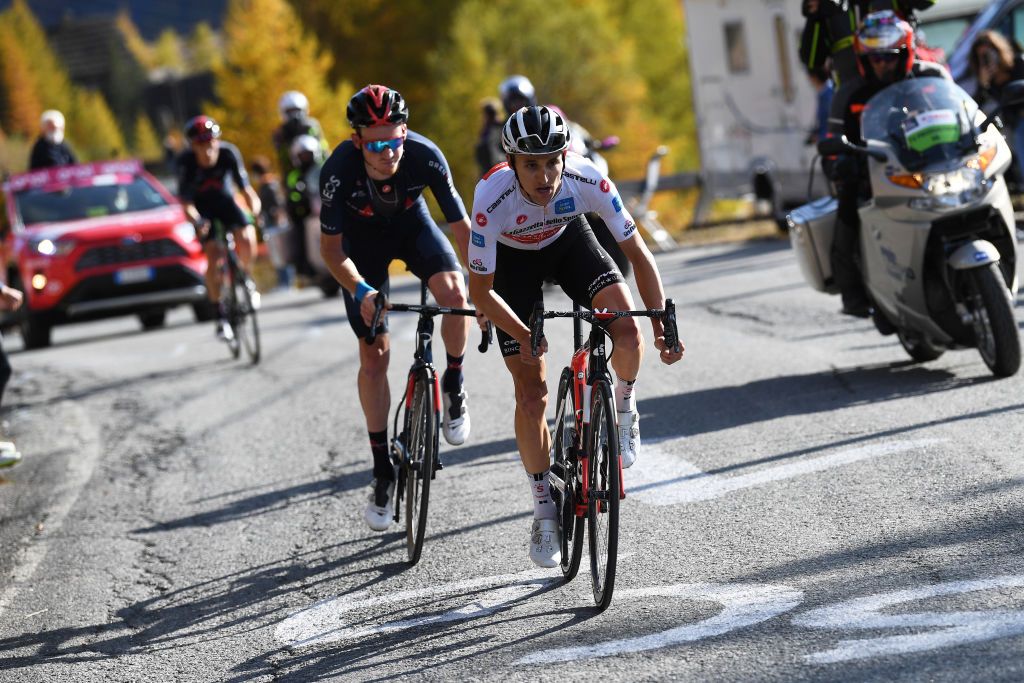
754	102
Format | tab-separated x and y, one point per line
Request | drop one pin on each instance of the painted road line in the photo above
945	628
744	604
662	478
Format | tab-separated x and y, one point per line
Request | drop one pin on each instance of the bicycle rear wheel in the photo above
603	496
422	445
566	476
243	322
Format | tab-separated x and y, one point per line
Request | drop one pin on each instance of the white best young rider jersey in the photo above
501	213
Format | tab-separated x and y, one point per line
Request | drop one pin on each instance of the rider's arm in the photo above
461	231
241	178
439	180
481	291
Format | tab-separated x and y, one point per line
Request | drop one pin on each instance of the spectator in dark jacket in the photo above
50	149
995	62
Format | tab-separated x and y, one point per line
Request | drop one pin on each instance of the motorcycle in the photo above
938	248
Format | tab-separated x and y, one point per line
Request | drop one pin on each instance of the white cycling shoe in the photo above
545	543
455	429
380	511
224	331
629	436
9	455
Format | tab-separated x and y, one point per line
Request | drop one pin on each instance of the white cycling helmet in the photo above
291	101
306	143
535	130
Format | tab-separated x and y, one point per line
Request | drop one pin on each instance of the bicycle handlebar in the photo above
380	304
667	316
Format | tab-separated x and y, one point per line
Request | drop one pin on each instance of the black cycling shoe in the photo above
857	310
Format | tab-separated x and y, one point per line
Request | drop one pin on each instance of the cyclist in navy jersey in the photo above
530	226
210	172
372	211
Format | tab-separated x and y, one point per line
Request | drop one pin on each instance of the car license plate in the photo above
129	276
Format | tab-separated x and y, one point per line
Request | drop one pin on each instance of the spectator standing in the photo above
995	62
50	148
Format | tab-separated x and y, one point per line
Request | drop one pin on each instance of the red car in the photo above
95	240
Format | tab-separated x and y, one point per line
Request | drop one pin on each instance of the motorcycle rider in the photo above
884	47
295	121
829	33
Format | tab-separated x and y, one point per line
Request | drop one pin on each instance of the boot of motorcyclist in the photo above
884	45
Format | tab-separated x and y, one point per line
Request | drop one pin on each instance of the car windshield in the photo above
925	120
104	197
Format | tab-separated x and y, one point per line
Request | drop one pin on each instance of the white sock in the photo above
543	506
624	399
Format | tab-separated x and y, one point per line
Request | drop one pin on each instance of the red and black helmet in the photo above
377	105
885	34
202	129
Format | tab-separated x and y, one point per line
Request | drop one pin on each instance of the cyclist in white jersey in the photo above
528	226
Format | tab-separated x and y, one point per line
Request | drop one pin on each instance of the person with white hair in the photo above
51	149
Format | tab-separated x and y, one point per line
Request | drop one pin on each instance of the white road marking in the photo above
662	478
949	628
179	350
744	604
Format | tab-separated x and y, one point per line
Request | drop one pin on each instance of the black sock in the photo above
451	381
382	467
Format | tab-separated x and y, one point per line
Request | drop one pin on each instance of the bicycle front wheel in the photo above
566	476
231	306
422	434
244	323
605	487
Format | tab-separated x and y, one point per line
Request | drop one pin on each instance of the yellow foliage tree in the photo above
21	105
93	130
266	52
168	53
203	49
133	40
52	84
146	144
572	53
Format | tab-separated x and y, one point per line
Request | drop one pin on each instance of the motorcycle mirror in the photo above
1013	93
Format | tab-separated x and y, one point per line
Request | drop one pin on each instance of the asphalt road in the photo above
808	505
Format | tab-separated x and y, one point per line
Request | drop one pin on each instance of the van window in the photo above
944	33
736	55
782	49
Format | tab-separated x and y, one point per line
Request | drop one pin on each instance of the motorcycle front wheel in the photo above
995	329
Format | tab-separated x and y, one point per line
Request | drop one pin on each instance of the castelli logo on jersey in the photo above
481	219
520	219
605	186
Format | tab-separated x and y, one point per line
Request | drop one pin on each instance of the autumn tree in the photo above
145	142
168	53
92	128
573	54
204	51
44	69
20	100
133	40
266	52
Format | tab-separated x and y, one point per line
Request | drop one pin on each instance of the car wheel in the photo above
203	311
152	320
35	331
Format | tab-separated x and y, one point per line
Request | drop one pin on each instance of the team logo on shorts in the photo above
605	186
617	203
481	219
520	219
567	205
478	239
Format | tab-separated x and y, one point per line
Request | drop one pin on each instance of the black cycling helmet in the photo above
201	129
377	105
516	92
535	130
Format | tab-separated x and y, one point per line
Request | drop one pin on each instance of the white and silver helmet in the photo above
292	101
306	143
535	130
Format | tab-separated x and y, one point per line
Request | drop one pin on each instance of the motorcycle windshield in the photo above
925	120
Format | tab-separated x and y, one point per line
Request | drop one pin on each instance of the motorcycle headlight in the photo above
185	231
951	189
48	247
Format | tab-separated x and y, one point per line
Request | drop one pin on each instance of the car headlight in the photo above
48	247
951	189
186	232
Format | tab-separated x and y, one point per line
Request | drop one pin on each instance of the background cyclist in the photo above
372	211
210	173
529	226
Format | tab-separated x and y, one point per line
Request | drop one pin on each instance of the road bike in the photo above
414	448
238	296
586	468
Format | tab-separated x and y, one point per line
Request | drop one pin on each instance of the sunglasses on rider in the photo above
883	57
378	146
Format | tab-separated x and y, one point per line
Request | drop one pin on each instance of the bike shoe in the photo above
224	331
9	455
455	417
545	543
629	436
380	511
254	295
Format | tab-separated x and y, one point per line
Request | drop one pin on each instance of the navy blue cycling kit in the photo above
212	190
383	220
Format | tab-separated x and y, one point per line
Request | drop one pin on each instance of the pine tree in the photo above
267	52
93	131
52	85
168	53
146	145
136	44
204	49
21	105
